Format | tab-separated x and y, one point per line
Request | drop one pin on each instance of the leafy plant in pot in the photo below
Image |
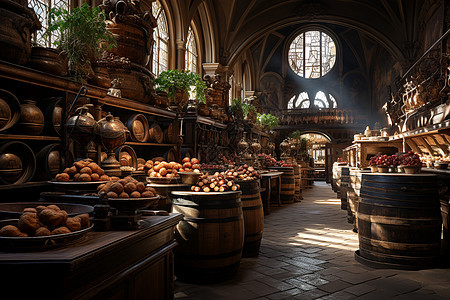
83	37
268	120
177	83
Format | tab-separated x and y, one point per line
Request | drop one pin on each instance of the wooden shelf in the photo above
29	137
149	144
204	120
23	185
39	78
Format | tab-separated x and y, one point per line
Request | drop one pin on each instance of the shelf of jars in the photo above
29	137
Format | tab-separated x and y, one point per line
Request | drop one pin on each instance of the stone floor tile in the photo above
339	296
334	286
360	289
259	288
311	294
300	284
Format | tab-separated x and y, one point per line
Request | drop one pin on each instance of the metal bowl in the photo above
189	177
131	204
14	210
39	243
163	180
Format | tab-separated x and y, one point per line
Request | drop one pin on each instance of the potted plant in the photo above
251	114
268	120
83	37
237	109
177	84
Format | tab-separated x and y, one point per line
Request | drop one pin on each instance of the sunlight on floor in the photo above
328	201
327	237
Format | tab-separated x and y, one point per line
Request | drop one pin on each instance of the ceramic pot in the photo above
31	120
101	77
48	60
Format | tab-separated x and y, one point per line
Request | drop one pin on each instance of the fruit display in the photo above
208	167
214	183
226	161
269	161
244	172
127	187
410	159
45	221
156	168
384	160
84	171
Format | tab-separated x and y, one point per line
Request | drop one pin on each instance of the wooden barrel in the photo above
126	156
49	162
337	176
345	179
253	216
210	236
399	221
170	136
287	184
353	194
165	190
53	112
17	163
155	134
137	124
445	224
298	183
171	155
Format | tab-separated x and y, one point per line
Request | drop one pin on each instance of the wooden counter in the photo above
105	265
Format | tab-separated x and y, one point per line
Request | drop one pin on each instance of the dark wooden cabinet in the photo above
105	265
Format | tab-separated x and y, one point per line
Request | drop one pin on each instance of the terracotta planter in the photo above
136	85
383	169
132	42
48	60
412	169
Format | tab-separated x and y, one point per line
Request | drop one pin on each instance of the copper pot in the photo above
48	60
81	126
31	120
110	133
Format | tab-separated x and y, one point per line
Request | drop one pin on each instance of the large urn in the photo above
81	127
111	134
285	147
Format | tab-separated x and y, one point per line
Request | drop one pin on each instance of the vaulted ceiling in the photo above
395	24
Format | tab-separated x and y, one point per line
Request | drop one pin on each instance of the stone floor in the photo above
307	252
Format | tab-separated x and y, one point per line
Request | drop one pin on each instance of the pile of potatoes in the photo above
83	171
44	221
214	183
127	187
190	165
244	172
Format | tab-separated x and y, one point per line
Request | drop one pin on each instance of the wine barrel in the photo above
126	156
171	155
53	116
49	162
399	221
210	236
336	182
170	136
9	110
137	124
253	216
17	163
155	134
287	184
164	191
445	207
345	179
298	183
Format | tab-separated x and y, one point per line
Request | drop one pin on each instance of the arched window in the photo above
42	9
191	52
312	54
161	40
320	101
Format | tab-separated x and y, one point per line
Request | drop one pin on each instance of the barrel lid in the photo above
181	193
400	174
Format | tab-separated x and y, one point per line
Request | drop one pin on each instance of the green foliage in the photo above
83	36
296	134
172	80
238	105
268	120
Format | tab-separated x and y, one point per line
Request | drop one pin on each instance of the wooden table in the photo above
266	182
135	264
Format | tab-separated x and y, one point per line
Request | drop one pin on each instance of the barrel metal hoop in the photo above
215	220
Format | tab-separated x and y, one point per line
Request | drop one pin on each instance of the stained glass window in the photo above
161	39
312	54
191	51
42	9
320	101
